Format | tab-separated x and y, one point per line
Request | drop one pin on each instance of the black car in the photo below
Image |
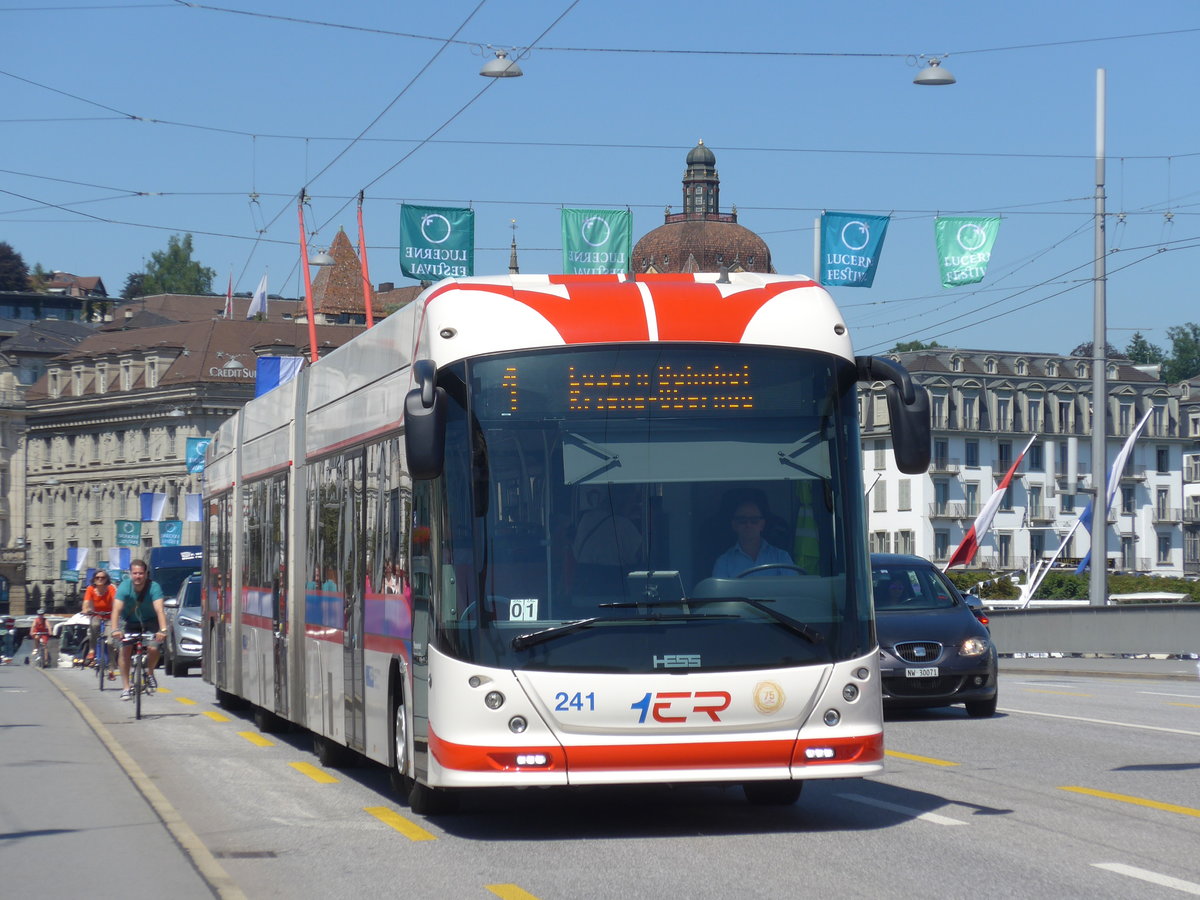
933	651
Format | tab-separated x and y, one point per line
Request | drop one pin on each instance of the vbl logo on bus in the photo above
679	706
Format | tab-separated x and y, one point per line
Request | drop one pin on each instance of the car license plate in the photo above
927	672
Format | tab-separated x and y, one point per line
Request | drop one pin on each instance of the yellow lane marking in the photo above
185	701
162	690
510	892
1136	801
1188	705
318	775
923	759
257	739
410	830
1059	693
216	716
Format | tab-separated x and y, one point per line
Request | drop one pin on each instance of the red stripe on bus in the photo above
639	757
254	621
324	633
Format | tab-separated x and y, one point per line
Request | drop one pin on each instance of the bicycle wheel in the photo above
100	657
139	683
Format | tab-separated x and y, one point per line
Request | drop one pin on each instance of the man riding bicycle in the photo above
138	608
98	606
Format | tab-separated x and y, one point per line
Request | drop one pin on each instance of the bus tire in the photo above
401	784
428	801
772	793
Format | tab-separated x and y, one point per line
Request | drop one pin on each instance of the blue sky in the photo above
809	107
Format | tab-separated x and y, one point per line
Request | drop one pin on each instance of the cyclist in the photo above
98	605
39	632
138	607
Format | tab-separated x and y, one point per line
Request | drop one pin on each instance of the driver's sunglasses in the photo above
747	520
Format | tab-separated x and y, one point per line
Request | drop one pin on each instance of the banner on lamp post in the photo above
129	533
596	241
196	448
964	247
436	242
850	248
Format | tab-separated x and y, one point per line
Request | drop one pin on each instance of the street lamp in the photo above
934	74
1098	581
501	66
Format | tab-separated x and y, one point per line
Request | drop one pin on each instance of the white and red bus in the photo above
401	550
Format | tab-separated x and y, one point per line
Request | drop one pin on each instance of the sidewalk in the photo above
1103	666
71	817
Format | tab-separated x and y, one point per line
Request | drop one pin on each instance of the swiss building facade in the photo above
986	406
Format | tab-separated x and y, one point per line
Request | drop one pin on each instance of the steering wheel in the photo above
765	566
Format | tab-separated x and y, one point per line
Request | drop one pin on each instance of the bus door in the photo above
421	580
279	635
351	540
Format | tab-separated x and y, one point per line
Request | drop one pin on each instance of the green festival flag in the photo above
964	247
129	533
436	242
596	241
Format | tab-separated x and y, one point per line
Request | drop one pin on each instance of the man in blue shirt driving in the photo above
751	549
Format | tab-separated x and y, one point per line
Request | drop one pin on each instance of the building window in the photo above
1162	458
1066	504
1004	456
101	378
77	381
880	455
1035	502
971	489
126	374
939	412
1022	367
1162	503
1164	548
1124	419
941	454
941	545
904	499
152	372
1035	458
969	422
1052	368
990	365
1157	420
941	496
1003	414
1064	416
1128	500
879	542
1034	409
879	492
956	364
1081	370
1037	545
971	453
905	543
54	383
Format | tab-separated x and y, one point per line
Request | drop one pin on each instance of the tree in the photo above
173	271
39	278
1144	353
14	274
1085	350
133	286
908	346
1184	361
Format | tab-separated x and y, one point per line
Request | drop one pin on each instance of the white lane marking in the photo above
1030	712
1165	694
903	810
1178	884
1048	683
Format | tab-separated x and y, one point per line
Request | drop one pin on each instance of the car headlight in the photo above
973	646
189	622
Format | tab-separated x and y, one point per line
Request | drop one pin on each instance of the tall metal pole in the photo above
1098	583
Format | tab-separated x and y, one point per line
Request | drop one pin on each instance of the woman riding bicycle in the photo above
98	606
138	608
39	633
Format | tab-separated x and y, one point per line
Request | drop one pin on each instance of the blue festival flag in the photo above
153	506
850	248
272	371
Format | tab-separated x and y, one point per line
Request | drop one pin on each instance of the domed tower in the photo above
701	238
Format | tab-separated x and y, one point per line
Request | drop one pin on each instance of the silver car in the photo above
181	650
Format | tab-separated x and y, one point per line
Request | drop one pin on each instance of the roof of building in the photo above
45	337
338	289
1006	363
217	351
173	308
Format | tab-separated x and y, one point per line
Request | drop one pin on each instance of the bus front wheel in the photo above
401	783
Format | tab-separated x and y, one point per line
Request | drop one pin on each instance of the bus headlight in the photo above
493	699
517	724
850	693
832	717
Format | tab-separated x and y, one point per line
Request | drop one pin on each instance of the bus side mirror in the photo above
425	423
908	412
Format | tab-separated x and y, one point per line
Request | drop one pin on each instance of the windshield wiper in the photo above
521	641
793	625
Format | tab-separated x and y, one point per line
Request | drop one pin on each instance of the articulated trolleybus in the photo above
510	537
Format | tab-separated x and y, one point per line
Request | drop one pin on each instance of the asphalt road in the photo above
1082	786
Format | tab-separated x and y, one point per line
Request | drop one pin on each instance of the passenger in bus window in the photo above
751	549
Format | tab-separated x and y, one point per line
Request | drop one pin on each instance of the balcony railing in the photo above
944	465
956	510
1191	515
1164	514
1040	513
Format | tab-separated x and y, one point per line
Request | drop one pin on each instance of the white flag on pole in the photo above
259	303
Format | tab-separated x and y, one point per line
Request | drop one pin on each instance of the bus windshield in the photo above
650	507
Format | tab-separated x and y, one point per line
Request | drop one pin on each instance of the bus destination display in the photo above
668	387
